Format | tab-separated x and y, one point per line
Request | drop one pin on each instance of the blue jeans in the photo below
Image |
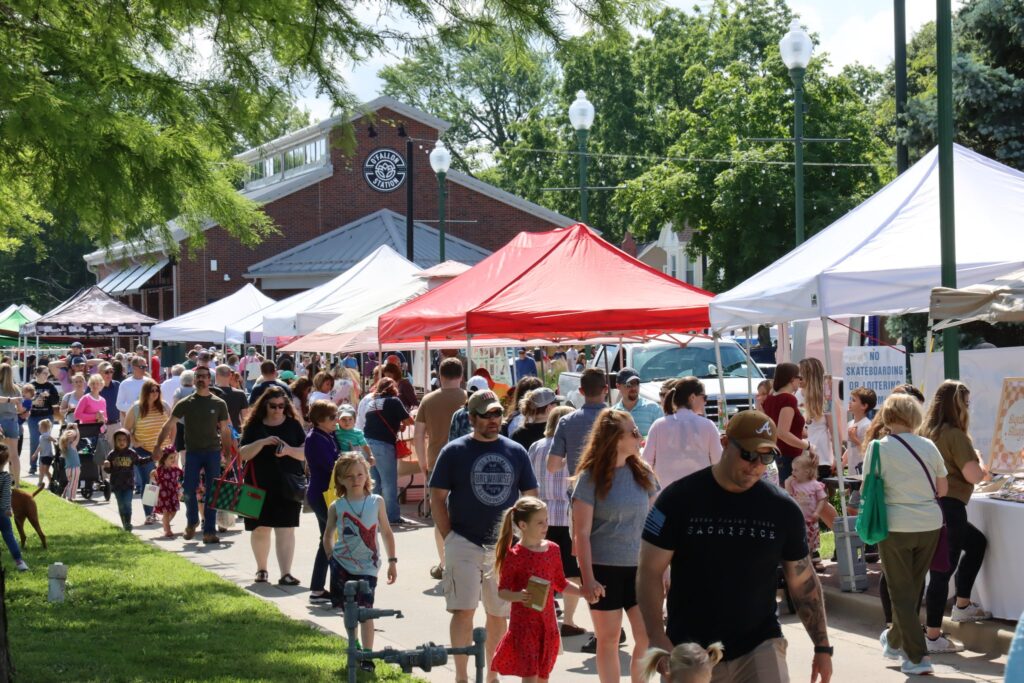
33	437
209	463
142	473
249	384
319	506
124	506
8	533
385	477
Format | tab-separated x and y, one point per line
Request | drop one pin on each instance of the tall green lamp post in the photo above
441	161
795	48
581	116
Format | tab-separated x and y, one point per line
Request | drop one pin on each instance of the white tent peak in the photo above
378	270
883	257
209	323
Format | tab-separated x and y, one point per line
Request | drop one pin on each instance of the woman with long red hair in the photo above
613	491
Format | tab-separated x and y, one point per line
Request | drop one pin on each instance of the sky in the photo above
849	32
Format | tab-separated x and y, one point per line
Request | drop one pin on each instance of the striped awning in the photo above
128	280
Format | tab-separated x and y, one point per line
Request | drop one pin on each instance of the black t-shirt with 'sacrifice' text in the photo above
726	548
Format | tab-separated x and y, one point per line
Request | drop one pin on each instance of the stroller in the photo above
92	451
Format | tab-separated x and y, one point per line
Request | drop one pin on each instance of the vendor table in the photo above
999	588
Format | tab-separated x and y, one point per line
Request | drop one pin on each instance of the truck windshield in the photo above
658	363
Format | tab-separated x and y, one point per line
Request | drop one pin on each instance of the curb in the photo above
991	637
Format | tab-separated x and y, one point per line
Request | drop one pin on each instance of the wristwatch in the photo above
824	650
393	560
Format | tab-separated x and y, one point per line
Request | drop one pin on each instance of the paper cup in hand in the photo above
538	589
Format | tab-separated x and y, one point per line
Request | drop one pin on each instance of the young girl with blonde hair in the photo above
357	517
687	663
530	646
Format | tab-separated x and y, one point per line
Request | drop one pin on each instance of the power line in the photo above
697	160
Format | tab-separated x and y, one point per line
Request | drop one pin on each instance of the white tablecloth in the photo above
999	587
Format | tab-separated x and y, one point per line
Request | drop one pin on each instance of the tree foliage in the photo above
988	82
482	87
121	116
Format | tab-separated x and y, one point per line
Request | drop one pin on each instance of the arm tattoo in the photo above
805	590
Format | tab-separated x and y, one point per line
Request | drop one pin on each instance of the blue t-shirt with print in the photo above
483	479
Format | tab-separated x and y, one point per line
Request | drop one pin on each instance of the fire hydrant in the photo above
58	575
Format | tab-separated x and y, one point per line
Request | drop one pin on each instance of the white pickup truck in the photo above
659	361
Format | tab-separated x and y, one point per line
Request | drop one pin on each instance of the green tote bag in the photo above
873	520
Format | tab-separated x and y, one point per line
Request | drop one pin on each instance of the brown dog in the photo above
24	507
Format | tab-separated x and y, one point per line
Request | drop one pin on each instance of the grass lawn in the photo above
136	613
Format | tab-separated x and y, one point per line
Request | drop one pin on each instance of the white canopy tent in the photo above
378	271
998	300
883	258
208	324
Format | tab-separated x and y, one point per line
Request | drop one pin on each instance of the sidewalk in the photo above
418	596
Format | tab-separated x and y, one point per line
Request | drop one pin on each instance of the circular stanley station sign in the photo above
385	170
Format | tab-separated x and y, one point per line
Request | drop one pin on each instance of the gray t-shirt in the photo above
618	517
572	431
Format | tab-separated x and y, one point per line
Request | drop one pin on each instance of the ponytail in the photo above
652	659
506	537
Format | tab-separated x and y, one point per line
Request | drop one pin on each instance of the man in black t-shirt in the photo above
268	377
724	531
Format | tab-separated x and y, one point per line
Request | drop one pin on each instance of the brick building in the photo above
317	194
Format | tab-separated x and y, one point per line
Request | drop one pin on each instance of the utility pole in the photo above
947	216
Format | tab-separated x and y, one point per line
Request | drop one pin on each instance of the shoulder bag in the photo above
232	494
293	484
873	520
940	560
402	449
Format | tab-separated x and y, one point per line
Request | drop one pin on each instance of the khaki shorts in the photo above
469	577
766	663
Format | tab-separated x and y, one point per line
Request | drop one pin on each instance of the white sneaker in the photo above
942	644
21	565
973	612
889	652
922	668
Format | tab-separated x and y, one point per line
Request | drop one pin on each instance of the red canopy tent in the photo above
566	283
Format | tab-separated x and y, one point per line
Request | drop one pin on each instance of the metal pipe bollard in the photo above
423	657
58	575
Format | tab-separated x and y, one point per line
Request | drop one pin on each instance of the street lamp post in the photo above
441	161
795	48
581	116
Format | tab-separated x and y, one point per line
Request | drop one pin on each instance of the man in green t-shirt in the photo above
206	423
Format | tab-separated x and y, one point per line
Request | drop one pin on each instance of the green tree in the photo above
122	116
988	82
482	87
735	192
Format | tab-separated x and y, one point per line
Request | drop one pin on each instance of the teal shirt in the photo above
644	413
349	439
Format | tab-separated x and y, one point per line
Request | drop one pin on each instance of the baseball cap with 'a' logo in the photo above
752	430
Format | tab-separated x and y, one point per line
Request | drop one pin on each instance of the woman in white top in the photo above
345	387
819	427
684	442
910	466
323	388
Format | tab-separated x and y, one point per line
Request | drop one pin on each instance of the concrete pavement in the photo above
419	597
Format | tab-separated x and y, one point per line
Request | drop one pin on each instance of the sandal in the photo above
287	580
262	576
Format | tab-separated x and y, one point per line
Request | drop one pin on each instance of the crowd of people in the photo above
641	509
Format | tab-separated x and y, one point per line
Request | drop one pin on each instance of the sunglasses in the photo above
490	415
765	458
275	406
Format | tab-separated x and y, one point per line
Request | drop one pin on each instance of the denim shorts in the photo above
10	427
339	576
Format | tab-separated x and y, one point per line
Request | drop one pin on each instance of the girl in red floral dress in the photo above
531	645
167	476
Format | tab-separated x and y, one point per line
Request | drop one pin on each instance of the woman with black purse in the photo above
272	438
